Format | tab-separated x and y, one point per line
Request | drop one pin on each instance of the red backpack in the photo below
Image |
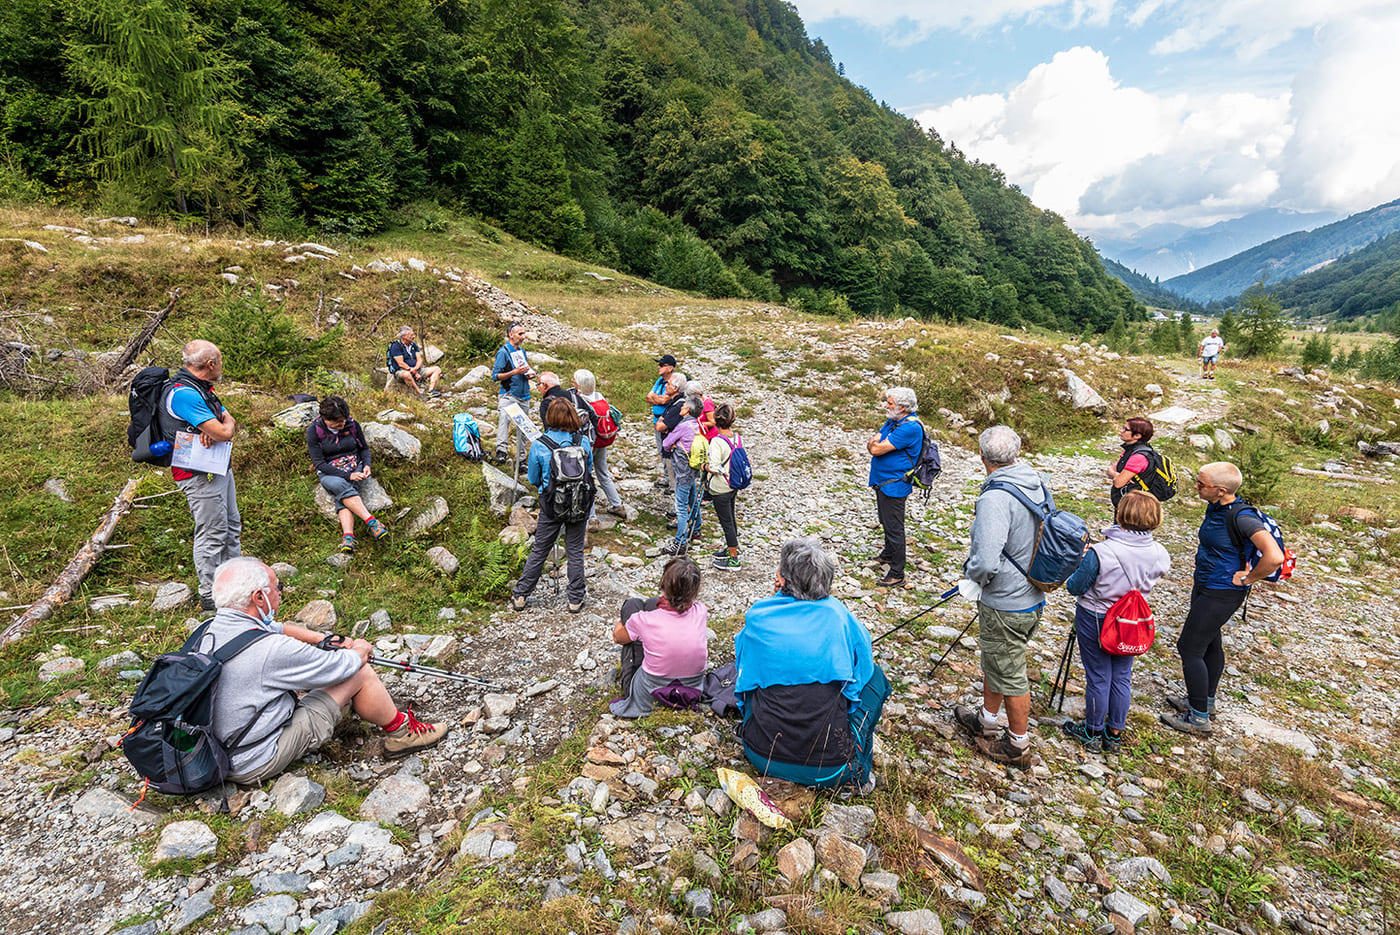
1128	627
609	423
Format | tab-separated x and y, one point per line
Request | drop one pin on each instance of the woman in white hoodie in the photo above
1128	558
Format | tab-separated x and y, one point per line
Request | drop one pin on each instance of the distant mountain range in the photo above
1162	251
1366	282
1288	256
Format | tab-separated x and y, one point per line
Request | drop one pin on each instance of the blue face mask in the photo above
266	618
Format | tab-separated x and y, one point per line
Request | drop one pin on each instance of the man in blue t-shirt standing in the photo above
512	374
893	451
189	405
662	394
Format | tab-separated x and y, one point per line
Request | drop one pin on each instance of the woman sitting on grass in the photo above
1127	559
662	639
341	457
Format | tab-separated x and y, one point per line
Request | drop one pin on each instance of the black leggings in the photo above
724	510
1200	645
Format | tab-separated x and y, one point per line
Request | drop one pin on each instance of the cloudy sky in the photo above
1119	115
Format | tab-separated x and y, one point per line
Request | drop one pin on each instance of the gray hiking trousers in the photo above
213	503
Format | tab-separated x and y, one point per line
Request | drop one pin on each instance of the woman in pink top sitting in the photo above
662	639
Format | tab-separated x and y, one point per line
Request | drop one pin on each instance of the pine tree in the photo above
1187	333
1260	324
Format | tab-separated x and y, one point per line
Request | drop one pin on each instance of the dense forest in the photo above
706	144
1148	291
1363	283
1287	256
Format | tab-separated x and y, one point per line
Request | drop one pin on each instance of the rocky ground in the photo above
621	824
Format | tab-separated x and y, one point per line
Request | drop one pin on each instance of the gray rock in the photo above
107	805
699	903
1224	439
881	886
432	353
1059	894
325	823
149	927
706	866
796	860
603	865
493	705
500	486
56	487
393	416
434	512
284	571
478	374
344	915
58	668
1270	913
380	621
443	560
274	913
555	889
292	795
396	795
344	855
185	839
192	910
1134	869
1307	817
318	615
375	497
391	441
1128	906
769	920
338	560
477	844
170	595
109	603
853	821
915	922
1083	396
717	801
1256	801
297	418
844	858
125	658
1200	442
281	882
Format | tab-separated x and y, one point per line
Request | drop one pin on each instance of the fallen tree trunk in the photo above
141	339
1335	476
68	580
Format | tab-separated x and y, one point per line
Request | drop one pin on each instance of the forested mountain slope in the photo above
1145	289
1362	283
707	144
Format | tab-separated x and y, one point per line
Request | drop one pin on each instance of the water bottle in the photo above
161	448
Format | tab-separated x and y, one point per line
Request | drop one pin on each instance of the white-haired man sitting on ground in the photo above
258	714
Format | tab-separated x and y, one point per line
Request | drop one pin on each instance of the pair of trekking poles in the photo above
1059	686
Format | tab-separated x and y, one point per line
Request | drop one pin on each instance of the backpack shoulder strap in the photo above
1041	510
239	643
550	443
1232	512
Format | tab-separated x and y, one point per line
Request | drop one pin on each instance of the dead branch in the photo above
68	580
142	338
1337	476
375	327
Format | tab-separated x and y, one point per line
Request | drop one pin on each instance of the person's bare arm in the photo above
1270	558
878	446
620	634
219	429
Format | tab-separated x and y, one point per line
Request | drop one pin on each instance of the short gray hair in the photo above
238	579
585	381
904	398
549	378
677	379
693	406
807	569
405	329
999	444
199	354
694	388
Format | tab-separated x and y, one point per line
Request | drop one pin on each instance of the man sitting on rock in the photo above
406	364
257	712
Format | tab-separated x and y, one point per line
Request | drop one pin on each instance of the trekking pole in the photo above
1061	683
951	646
431	671
943	598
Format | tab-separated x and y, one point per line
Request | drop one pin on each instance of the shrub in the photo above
264	344
1262	463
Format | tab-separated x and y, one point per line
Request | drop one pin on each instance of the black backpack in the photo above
570	492
143	401
587	416
171	742
1159	479
924	469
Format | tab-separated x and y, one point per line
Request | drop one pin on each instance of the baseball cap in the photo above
666	360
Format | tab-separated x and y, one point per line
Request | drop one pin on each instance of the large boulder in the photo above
297	418
391	441
432	353
1084	396
371	492
504	491
432	513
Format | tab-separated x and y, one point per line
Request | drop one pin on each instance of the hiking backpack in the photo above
1250	550
1160	478
926	468
699	450
171	742
466	437
570	491
587	416
144	432
608	422
1060	538
1129	626
740	468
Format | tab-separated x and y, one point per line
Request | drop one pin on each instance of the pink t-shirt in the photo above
1137	463
673	645
707	427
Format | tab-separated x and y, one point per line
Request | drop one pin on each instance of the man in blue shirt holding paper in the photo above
189	405
512	373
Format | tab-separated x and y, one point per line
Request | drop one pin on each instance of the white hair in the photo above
677	379
548	378
1000	445
694	388
807	569
238	579
903	397
585	381
405	329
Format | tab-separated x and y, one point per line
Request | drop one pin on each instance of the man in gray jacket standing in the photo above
1009	606
257	714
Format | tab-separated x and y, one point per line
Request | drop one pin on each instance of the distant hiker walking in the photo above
1210	352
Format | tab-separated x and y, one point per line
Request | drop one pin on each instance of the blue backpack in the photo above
740	469
1060	538
466	438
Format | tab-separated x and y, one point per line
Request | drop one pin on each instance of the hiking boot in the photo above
1182	706
1112	743
1078	731
411	736
347	544
674	547
970	720
880	559
672	524
617	509
721	552
434	394
575	608
890	581
207	603
660	485
695	536
500	457
1188	724
376	529
518	602
728	563
1002	750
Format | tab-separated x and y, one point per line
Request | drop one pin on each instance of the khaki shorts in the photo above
313	721
1002	637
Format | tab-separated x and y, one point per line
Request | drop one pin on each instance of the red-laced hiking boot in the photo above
411	736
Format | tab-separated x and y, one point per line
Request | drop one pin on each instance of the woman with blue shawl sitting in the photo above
808	688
